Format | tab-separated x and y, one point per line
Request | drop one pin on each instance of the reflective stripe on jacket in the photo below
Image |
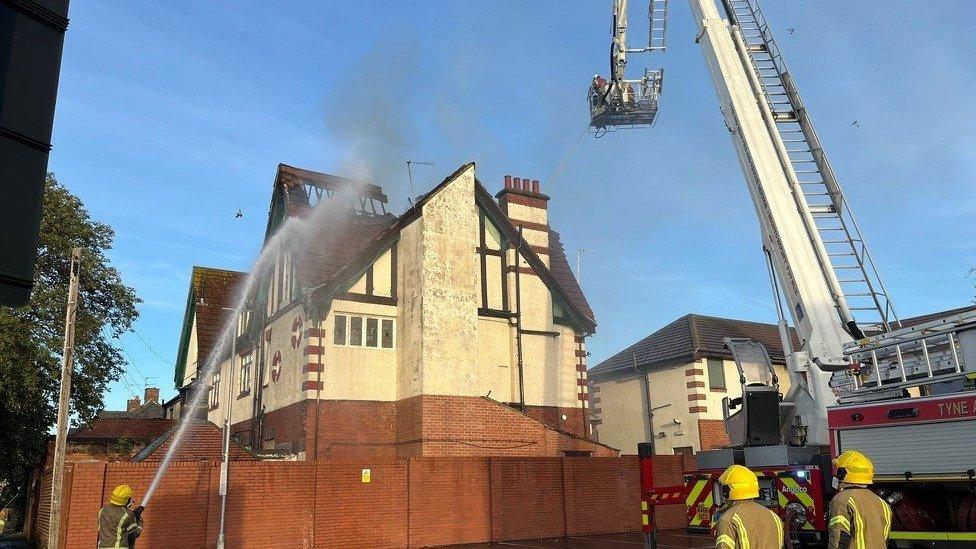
117	527
748	525
858	519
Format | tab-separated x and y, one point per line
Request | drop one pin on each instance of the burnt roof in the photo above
913	320
691	337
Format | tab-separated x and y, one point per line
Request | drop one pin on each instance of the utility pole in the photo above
60	444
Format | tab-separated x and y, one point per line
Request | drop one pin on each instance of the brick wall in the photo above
407	503
426	425
712	434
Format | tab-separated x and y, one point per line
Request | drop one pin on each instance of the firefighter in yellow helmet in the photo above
745	524
857	517
119	526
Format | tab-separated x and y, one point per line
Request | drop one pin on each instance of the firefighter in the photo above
859	519
745	524
119	526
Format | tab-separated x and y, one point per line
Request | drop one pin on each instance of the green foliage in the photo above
123	446
31	337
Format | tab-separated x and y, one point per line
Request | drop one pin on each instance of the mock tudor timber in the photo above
401	336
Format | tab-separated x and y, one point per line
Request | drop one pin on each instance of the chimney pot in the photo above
535	186
152	395
516	183
508	182
132	404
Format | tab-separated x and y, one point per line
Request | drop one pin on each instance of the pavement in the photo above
673	539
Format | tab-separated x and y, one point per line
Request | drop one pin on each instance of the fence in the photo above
405	503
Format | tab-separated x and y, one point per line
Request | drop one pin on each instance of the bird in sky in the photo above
238	214
856	124
791	30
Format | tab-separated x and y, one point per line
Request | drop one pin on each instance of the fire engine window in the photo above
372	332
356	330
339	334
716	374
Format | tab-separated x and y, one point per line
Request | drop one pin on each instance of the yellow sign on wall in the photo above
367	474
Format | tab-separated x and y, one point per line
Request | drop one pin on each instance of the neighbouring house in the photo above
670	385
456	328
116	435
680	374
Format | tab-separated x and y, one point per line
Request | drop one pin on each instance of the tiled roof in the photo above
202	440
338	242
559	266
111	428
911	321
149	410
688	338
214	290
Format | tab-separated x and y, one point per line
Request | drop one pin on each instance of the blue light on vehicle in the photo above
802	474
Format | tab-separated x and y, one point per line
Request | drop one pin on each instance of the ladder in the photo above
657	14
848	254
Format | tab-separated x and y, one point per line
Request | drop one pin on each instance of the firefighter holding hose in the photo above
119	526
745	524
858	518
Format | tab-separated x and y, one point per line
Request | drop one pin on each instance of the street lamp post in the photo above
227	419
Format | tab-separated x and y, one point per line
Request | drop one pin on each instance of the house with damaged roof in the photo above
456	328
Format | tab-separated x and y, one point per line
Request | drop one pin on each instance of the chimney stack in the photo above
152	395
132	405
523	202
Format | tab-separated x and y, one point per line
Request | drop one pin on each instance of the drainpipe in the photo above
646	393
518	318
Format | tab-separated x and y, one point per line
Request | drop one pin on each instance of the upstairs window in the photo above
716	374
364	331
247	365
215	390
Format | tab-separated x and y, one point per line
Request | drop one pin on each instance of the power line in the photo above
132	362
153	351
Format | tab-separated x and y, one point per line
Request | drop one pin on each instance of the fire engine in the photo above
859	378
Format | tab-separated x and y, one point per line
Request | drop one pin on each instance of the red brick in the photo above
712	434
694	409
694	372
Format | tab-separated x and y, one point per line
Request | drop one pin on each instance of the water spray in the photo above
297	231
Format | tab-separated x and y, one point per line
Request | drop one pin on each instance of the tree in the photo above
31	337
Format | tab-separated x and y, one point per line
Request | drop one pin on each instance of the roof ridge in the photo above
693	330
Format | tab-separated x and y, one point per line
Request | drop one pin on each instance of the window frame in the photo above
366	318
708	371
246	365
215	390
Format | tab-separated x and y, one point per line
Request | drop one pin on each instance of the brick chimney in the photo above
132	404
523	202
152	395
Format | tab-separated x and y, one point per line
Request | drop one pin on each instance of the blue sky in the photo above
173	115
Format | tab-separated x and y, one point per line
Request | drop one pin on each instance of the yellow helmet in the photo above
853	467
739	482
121	495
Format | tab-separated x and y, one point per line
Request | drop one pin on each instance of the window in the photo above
356	330
360	331
215	390
387	333
247	362
339	333
372	332
716	374
683	451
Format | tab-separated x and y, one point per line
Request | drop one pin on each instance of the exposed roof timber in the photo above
332	183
